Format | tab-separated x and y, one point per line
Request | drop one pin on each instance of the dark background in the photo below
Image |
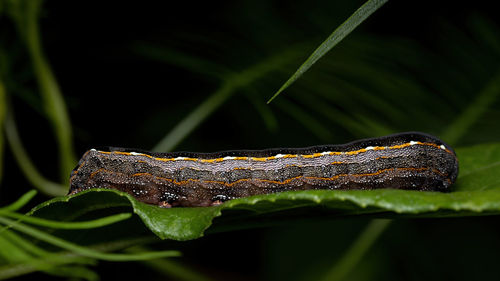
120	92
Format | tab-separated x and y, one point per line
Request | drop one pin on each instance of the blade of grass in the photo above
42	260
24	162
340	33
68	225
17	269
84	251
357	250
472	113
33	249
74	272
61	258
228	88
11	252
23	244
23	200
33	265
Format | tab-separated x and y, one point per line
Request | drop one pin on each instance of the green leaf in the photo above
338	35
476	192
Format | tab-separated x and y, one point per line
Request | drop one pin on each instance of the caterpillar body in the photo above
411	161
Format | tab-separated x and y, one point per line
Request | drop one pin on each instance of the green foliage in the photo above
477	108
232	82
25	256
366	87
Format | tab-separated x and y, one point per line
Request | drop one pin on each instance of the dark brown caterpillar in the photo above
411	160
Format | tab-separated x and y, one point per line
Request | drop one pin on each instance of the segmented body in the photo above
412	160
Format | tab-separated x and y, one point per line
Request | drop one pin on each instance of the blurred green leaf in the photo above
476	192
474	111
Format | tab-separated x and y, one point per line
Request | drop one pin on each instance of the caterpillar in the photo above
410	161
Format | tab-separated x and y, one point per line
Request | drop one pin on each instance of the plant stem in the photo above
360	15
25	163
52	97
